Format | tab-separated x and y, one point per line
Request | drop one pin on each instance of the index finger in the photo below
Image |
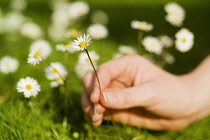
110	71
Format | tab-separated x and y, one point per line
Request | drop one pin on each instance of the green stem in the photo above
67	93
94	70
140	36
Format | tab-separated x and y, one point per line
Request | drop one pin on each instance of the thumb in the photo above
140	96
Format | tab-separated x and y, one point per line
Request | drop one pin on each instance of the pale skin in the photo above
138	93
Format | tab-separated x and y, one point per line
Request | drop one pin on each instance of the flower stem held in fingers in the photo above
95	74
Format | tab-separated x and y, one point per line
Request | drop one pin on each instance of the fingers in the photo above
139	96
112	70
127	117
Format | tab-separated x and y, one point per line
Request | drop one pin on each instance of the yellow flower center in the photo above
28	87
142	25
74	33
37	54
83	44
66	46
184	40
153	45
54	71
87	59
58	79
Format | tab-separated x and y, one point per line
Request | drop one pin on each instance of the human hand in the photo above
138	93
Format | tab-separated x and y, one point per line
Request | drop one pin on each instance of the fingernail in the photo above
94	118
104	96
95	113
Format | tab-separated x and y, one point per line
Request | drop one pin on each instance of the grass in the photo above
47	116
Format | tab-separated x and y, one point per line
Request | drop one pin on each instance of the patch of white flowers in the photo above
8	64
175	14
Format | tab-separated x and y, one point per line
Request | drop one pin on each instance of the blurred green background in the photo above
121	12
49	119
197	20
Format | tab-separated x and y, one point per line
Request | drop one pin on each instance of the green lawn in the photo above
47	116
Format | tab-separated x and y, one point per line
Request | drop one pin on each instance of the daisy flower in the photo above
173	8
60	17
84	59
175	14
117	55
8	65
65	48
31	30
152	44
55	70
170	59
82	68
166	41
28	86
82	42
184	40
73	33
43	46
56	32
126	50
39	50
78	9
97	31
35	56
13	21
100	16
141	25
56	82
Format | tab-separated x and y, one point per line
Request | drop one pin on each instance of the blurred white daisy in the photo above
57	33
18	5
78	9
125	50
173	8
31	30
175	14
100	17
170	59
97	31
65	48
82	68
60	17
8	65
152	44
83	58
82	42
35	56
28	86
117	55
73	33
166	41
43	46
184	40
175	19
55	70
141	25
56	82
12	21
